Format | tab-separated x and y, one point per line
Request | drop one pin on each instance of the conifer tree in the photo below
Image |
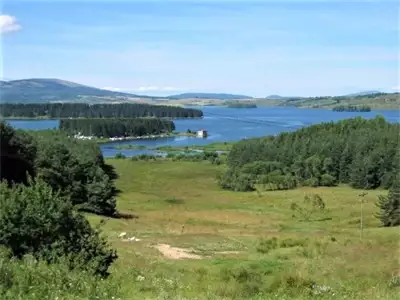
389	214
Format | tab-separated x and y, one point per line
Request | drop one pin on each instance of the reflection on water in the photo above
226	124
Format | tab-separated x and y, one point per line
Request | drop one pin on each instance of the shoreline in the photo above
132	138
216	146
67	118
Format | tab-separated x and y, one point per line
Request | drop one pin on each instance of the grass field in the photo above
232	236
219	146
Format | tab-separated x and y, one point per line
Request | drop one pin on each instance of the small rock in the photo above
122	234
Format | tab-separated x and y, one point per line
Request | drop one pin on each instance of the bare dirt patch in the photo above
228	252
176	253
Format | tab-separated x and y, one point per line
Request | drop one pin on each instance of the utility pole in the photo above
362	195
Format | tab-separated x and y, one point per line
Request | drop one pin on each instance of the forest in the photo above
352	108
116	127
362	153
46	179
83	110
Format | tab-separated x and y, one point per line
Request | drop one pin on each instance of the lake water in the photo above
227	124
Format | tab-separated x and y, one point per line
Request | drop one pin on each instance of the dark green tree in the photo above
389	206
36	220
74	169
17	154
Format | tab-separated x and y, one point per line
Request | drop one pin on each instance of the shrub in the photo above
119	155
35	220
34	279
242	281
327	180
311	206
265	246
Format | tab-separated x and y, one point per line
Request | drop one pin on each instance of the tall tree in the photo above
389	206
17	154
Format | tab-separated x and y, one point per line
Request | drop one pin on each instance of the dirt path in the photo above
176	253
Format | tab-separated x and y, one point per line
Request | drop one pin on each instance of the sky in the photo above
256	48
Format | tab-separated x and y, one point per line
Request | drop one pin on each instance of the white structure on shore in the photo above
82	137
202	133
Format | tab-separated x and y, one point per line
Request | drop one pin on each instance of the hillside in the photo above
364	93
216	96
53	90
375	101
277	97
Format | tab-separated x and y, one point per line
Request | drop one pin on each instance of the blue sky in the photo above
256	48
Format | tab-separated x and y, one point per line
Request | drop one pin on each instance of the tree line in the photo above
84	110
46	179
116	127
352	108
362	153
240	104
75	169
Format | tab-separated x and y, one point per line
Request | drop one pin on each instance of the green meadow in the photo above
196	241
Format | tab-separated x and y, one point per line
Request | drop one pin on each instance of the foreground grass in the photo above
180	204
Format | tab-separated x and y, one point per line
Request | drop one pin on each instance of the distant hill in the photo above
275	97
363	93
375	101
209	96
39	90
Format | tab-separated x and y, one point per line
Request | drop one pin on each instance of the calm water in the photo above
228	124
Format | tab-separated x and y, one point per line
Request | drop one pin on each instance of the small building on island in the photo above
202	133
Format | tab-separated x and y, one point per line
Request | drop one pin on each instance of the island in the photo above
118	128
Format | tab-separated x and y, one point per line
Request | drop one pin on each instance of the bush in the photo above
310	206
266	246
35	220
34	279
245	281
237	181
327	180
119	155
145	157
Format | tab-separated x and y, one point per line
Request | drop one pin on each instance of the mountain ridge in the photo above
219	96
52	89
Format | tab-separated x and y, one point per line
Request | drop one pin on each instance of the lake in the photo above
226	124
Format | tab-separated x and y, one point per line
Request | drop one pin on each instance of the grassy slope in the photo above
217	220
387	101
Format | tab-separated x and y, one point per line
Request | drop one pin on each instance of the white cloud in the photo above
9	24
396	88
